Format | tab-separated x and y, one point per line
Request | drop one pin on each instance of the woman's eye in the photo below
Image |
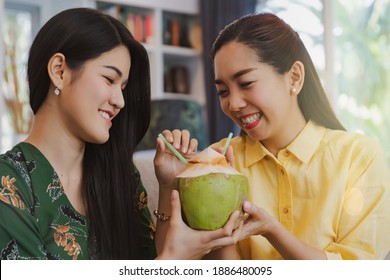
222	92
246	84
109	80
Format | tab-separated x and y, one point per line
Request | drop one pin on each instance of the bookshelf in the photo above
170	31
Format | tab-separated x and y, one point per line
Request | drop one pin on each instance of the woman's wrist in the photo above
169	186
270	228
164	198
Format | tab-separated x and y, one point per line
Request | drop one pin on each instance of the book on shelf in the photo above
184	32
148	30
175	31
141	26
180	79
195	36
176	79
167	32
138	28
130	22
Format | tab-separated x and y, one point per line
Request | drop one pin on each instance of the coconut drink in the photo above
211	190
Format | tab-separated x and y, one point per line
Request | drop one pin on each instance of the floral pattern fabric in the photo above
37	221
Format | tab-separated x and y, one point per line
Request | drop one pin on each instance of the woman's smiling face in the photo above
252	93
92	98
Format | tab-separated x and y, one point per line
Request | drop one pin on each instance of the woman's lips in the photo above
251	121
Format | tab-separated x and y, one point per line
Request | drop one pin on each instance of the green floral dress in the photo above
37	220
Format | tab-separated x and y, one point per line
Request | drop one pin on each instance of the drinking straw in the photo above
227	143
179	156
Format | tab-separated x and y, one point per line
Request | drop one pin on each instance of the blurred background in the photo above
348	40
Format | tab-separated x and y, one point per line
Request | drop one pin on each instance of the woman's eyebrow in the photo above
119	72
242	72
236	75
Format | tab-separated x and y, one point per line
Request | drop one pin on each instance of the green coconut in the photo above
211	190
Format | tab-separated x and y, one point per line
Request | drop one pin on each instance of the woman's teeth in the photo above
104	115
251	118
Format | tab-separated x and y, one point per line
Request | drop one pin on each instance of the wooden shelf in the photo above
166	58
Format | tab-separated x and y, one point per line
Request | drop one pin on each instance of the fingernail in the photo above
246	205
174	194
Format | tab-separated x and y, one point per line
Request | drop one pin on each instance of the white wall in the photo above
48	8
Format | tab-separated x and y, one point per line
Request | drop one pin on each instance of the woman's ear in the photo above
297	77
55	69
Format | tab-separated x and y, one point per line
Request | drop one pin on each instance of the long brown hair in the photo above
278	45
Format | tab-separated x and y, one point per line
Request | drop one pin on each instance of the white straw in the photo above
227	143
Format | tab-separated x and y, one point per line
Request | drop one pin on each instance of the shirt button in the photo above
282	171
286	153
285	210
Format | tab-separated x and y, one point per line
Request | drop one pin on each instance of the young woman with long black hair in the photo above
71	190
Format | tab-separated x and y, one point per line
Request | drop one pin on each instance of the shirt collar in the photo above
302	147
254	151
307	141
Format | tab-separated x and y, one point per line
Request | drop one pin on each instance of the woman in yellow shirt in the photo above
316	191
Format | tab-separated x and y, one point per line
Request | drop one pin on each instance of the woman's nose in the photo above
236	102
117	99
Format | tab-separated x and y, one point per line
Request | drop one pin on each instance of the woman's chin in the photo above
98	139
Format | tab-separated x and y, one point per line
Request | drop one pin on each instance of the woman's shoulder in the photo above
358	144
14	173
13	160
348	137
13	150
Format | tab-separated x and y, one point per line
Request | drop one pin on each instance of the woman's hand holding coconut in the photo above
182	242
174	239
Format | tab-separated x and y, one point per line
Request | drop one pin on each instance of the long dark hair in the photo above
278	45
109	179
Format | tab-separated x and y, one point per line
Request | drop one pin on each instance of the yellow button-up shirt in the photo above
330	188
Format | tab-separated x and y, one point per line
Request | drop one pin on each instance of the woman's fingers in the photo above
227	240
232	222
251	209
177	139
198	243
230	156
168	135
181	140
226	231
176	217
193	146
257	222
158	159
